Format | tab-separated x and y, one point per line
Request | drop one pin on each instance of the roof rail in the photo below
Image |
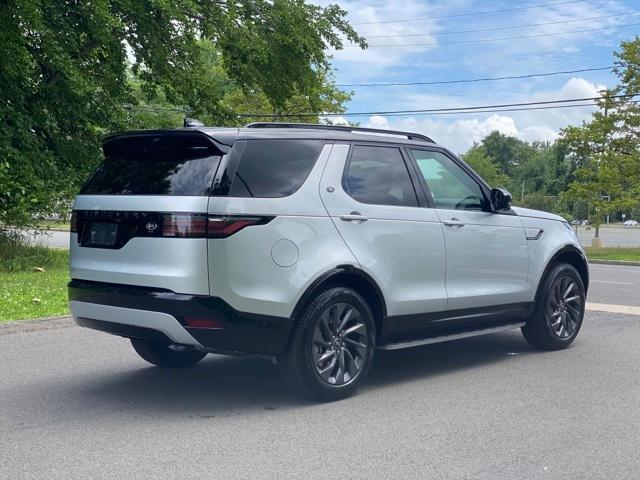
341	128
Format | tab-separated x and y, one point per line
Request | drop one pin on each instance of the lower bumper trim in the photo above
170	313
123	330
163	323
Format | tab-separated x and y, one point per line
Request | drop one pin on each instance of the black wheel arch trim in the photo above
335	272
570	249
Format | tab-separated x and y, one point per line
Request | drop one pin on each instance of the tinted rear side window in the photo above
274	168
379	175
155	165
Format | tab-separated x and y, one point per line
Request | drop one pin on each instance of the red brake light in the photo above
223	227
197	225
184	225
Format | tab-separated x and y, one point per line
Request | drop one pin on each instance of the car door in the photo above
487	257
380	212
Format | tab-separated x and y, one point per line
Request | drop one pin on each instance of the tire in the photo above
559	309
331	347
167	356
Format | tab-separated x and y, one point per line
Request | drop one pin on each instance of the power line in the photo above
472	109
485	40
522	109
468	14
477	30
473	80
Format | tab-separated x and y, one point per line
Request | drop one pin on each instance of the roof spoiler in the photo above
192	123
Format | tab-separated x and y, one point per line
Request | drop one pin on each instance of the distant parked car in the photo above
575	222
584	223
630	223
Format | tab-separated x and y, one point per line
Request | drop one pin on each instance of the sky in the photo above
449	51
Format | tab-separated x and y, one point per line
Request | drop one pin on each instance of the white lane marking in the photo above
604	307
607	268
615	283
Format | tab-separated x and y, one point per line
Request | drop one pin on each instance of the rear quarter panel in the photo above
244	269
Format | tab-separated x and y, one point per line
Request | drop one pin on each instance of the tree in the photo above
606	150
66	71
508	152
484	166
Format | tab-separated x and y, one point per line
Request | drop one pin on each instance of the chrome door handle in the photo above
454	222
354	217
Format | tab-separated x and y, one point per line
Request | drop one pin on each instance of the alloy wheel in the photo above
564	307
340	344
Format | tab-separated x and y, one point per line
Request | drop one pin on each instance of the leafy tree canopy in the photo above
68	67
606	150
486	167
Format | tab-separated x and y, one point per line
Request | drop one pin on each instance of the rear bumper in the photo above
156	314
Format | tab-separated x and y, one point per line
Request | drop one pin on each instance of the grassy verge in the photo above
613	253
45	225
25	293
54	225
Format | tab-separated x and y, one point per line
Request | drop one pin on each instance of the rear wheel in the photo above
167	356
331	347
559	310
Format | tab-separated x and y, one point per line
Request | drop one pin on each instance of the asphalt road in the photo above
612	236
51	238
75	403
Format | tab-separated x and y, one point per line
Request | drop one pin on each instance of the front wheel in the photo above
167	356
559	310
331	347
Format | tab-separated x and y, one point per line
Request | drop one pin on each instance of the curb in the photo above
35	324
629	263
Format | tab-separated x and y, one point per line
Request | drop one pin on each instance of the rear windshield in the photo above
156	165
274	168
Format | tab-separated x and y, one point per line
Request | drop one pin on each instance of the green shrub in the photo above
16	255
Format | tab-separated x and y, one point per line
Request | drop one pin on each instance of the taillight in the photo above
223	227
186	225
73	223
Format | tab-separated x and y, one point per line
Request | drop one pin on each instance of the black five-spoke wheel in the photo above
559	309
331	347
340	344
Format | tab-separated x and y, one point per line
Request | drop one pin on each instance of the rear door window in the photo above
274	168
379	175
156	165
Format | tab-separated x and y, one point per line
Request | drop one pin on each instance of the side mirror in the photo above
500	200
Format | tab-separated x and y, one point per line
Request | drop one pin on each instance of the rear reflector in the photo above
203	323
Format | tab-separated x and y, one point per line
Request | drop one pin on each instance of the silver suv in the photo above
313	245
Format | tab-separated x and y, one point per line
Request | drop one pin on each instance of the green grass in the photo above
613	253
33	294
25	293
54	225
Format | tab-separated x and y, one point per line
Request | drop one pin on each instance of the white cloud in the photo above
339	120
458	135
461	133
363	16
